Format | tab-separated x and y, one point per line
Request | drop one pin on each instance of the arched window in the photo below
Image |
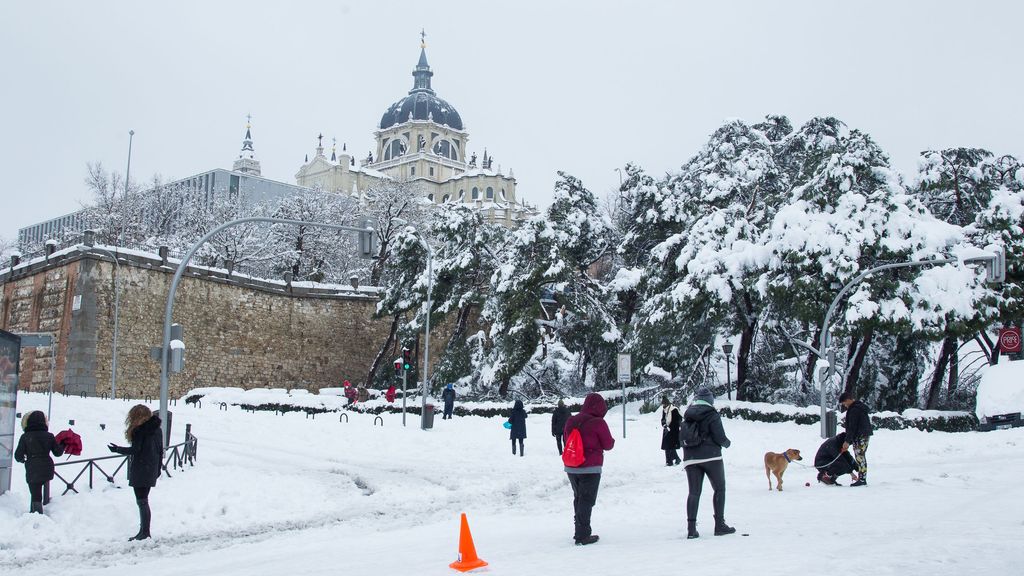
503	197
462	195
476	193
490	193
430	197
446	198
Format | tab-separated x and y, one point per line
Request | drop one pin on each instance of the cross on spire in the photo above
423	38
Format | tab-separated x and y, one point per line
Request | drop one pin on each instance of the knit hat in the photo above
704	393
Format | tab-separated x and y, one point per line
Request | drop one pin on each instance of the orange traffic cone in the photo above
468	560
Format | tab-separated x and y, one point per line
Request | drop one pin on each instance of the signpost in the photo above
10	356
625	375
1009	340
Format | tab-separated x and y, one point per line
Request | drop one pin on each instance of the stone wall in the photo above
239	332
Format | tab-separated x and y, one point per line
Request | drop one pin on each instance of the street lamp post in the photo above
727	349
127	176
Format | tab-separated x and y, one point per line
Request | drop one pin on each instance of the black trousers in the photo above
695	473
447	413
558	442
35	491
522	450
671	456
145	515
584	496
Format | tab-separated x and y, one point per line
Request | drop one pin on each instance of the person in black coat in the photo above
34	449
833	460
858	432
705	459
448	396
145	460
558	419
670	421
518	421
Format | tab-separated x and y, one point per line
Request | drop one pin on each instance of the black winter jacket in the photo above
145	455
448	396
858	422
558	420
828	457
34	449
518	420
710	423
670	431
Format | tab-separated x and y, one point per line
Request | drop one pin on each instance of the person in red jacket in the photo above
390	395
586	478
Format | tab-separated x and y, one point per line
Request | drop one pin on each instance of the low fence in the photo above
176	456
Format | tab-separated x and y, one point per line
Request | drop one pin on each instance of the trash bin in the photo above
427	420
831	423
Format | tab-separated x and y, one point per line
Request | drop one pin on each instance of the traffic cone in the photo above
468	560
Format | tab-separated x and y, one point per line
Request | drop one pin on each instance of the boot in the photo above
35	508
587	540
860	482
721	528
145	516
522	450
691	530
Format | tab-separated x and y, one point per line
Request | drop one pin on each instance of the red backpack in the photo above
573	454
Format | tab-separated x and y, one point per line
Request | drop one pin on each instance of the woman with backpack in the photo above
34	449
518	421
703	438
585	473
145	459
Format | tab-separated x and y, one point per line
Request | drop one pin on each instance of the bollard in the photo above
224	406
71	422
381	421
103	426
343	415
308	414
83	394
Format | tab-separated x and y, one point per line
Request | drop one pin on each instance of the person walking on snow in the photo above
558	420
586	478
34	449
858	432
390	394
448	396
145	460
518	421
705	459
670	420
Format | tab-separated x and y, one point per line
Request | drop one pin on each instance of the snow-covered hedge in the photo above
927	420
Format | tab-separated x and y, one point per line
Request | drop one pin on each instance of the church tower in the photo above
247	162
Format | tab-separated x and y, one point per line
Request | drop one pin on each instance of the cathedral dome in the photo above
421	103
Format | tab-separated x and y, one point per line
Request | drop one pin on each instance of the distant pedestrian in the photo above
448	396
518	421
145	459
705	459
833	460
558	420
670	420
350	392
34	449
390	394
585	479
858	433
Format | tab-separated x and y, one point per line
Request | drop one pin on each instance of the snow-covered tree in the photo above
955	184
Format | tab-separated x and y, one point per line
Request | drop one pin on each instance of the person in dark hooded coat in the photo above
558	420
670	421
448	396
34	449
585	479
705	459
145	460
518	421
833	460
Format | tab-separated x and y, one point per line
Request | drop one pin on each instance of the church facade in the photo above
421	140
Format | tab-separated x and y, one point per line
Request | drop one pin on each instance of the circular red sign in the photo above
1009	340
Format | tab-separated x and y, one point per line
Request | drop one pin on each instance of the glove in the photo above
112	447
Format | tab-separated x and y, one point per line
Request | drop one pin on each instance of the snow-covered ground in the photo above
275	495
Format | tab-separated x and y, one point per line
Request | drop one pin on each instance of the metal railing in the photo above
175	456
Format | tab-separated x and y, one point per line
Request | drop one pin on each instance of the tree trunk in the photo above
383	350
858	359
746	343
934	389
954	369
993	348
812	359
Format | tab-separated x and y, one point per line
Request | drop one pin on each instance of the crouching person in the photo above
833	460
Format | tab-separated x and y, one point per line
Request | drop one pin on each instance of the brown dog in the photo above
775	463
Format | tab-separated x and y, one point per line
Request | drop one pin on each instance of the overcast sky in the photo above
583	87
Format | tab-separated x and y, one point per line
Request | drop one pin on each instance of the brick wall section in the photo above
236	335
